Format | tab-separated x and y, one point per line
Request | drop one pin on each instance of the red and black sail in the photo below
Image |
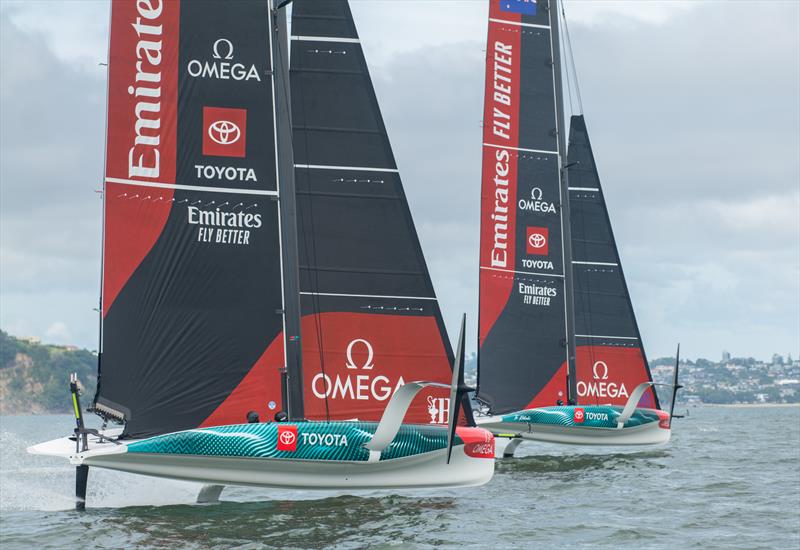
610	356
191	296
522	325
370	320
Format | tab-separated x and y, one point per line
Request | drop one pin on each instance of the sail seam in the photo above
522	272
609	337
521	149
369	296
337	129
519	23
595	263
326	39
160	185
355	168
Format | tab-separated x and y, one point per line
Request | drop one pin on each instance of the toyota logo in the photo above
537	240
287	438
224	132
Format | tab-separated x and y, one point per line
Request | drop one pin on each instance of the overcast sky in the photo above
693	111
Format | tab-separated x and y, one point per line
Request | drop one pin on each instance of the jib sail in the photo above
610	357
522	325
191	296
371	320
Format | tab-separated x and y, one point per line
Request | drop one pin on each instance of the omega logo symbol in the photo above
215	48
536	194
368	363
224	132
600	366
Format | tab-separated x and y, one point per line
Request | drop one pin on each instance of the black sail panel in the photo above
522	327
371	320
610	356
191	272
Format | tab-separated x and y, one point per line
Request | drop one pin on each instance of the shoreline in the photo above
752	405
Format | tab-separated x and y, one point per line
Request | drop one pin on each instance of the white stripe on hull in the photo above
422	470
647	434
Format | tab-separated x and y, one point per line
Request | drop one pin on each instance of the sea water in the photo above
730	478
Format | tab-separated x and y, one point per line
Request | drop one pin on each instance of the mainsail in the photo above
547	334
371	320
523	353
192	292
610	357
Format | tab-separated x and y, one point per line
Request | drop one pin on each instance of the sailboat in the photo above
260	262
560	355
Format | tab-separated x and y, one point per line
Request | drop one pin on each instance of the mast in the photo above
569	295
288	214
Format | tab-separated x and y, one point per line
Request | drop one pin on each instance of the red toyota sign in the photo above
537	241
287	438
224	132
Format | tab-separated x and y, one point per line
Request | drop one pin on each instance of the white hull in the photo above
648	434
420	470
425	470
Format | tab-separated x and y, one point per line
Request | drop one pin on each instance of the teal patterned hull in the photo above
581	425
320	441
593	416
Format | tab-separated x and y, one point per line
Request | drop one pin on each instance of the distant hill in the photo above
34	377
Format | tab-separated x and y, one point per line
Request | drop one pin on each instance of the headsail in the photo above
610	356
371	320
522	325
191	294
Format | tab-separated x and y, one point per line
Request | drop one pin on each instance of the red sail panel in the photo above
141	134
364	358
610	358
522	330
363	278
191	272
608	374
259	390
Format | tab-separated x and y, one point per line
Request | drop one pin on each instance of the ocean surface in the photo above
730	478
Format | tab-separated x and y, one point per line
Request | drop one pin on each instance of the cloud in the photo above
625	12
50	164
692	110
695	131
58	333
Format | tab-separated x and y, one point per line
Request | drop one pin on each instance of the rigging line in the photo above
572	59
562	40
315	298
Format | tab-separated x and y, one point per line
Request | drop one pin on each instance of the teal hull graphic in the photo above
581	425
326	441
594	416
